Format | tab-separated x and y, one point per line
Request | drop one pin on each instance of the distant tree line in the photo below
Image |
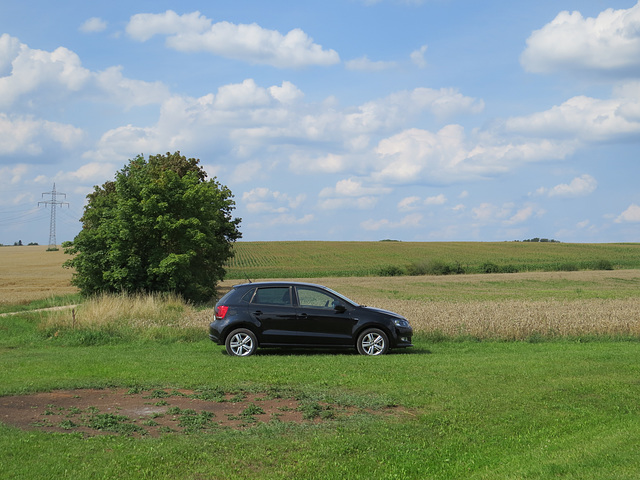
19	244
541	240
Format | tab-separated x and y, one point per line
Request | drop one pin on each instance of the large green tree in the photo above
160	226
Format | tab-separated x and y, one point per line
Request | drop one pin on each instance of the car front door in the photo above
323	319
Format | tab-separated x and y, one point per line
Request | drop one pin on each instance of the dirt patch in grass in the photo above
156	412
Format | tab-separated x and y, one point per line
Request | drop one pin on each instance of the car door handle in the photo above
258	312
302	315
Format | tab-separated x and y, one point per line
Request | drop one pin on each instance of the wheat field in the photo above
30	273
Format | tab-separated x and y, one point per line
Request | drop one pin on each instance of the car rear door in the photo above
272	308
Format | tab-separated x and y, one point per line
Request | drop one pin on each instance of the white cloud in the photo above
444	102
250	120
399	108
143	26
582	118
58	72
415	154
246	117
366	65
413	220
26	135
9	51
489	213
350	193
409	203
117	144
241	118
330	163
241	95
53	77
247	171
436	200
286	93
524	214
417	56
193	32
93	172
262	199
419	156
287	219
359	203
583	224
13	174
630	215
414	203
570	42
128	92
579	186
352	188
93	25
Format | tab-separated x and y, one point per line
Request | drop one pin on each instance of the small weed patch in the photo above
193	422
110	422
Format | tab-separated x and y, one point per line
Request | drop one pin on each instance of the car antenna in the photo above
247	277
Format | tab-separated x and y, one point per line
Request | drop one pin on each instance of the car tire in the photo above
373	342
241	343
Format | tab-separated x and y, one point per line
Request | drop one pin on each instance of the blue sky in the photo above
432	120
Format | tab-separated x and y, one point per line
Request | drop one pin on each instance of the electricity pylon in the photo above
54	202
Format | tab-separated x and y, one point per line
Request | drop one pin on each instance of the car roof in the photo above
279	283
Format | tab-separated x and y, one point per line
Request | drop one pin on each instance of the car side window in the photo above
314	298
246	298
272	296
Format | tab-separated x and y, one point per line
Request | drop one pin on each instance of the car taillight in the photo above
221	311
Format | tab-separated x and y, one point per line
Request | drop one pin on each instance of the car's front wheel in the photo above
241	343
373	342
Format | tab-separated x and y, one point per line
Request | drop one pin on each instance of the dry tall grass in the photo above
30	273
144	314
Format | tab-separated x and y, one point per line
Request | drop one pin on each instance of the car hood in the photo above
382	312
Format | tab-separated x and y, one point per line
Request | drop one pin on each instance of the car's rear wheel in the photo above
373	342
241	343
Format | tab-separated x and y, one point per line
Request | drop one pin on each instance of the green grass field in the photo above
338	259
465	411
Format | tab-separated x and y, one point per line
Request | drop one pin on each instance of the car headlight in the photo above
400	322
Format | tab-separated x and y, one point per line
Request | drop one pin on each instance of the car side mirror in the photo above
340	308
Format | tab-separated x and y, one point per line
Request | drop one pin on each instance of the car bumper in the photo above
215	335
403	337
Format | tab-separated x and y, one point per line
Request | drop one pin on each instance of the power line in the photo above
52	224
30	217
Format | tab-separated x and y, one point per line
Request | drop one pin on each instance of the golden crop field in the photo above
30	273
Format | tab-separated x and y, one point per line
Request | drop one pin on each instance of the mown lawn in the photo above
472	410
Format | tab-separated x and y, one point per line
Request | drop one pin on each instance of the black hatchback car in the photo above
279	314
